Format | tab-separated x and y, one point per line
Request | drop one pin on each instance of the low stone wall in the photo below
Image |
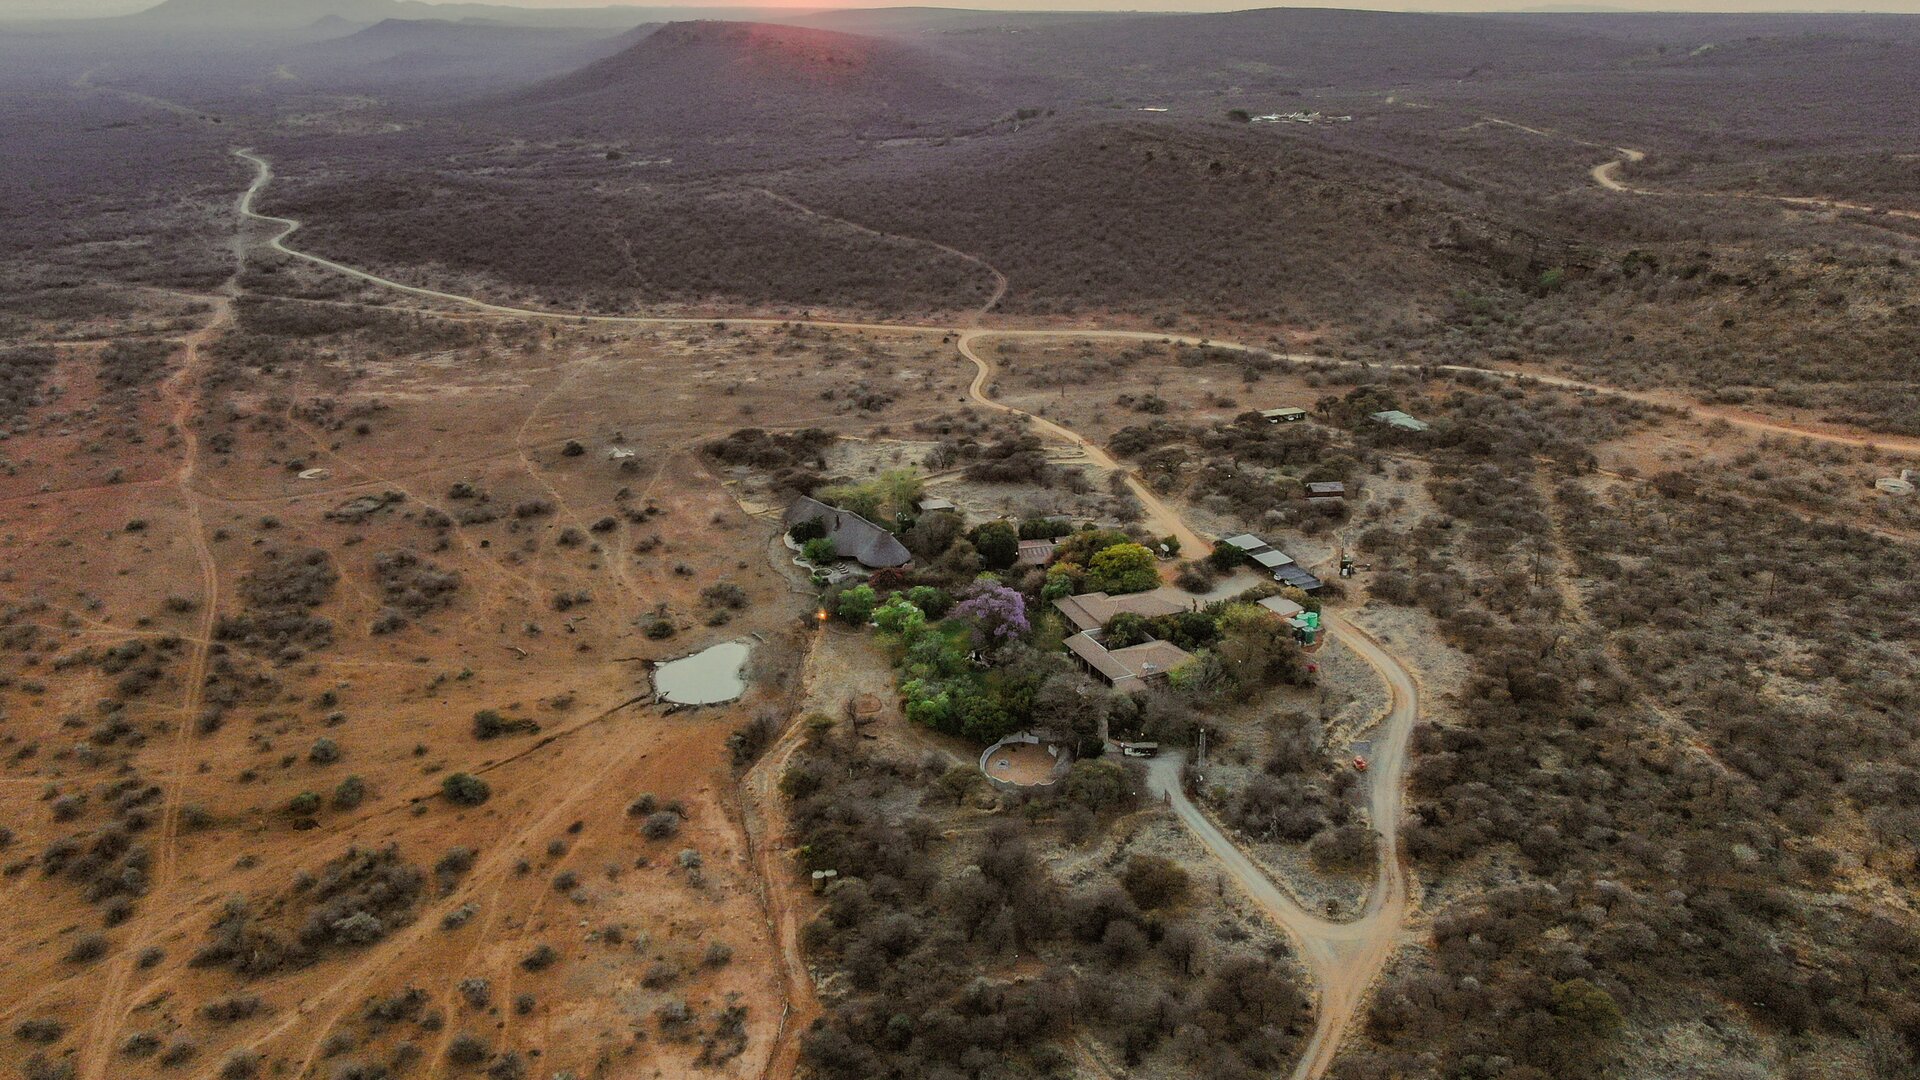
1025	744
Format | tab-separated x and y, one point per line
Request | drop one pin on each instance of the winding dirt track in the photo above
1344	957
1607	175
969	333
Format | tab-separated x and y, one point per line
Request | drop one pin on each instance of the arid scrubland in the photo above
364	794
330	745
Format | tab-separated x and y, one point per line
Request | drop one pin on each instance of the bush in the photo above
489	724
540	959
178	1052
350	793
240	1065
1154	881
464	789
44	1030
87	948
466	1049
661	825
1349	847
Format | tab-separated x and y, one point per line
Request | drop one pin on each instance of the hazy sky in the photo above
71	8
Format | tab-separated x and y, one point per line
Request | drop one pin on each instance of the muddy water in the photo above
707	677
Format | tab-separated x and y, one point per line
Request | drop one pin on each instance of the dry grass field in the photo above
240	649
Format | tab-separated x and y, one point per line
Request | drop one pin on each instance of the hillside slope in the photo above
727	80
443	55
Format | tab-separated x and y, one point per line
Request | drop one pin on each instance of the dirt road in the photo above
969	334
1164	522
1344	957
1607	175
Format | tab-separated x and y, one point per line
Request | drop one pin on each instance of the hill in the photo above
1174	217
466	57
724	81
254	16
1292	48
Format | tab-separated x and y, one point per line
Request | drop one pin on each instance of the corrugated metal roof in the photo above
1282	606
1300	579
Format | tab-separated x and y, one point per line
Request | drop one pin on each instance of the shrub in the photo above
87	948
240	1065
1349	847
540	959
1154	881
42	1030
350	793
465	789
489	724
661	825
466	1049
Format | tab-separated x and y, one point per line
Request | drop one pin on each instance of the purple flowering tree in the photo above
998	614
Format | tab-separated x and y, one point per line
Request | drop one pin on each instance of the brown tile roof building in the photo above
1091	611
1129	668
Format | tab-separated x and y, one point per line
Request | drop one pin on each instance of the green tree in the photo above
899	616
1586	1008
1099	785
1123	568
856	604
1257	649
934	602
1226	556
985	718
819	551
1126	629
1079	548
997	543
929	704
884	499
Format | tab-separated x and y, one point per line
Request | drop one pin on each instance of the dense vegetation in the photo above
1665	763
924	928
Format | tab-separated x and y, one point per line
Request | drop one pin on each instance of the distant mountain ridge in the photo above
277	15
721	79
455	57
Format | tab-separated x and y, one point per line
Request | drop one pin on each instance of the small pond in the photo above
708	677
